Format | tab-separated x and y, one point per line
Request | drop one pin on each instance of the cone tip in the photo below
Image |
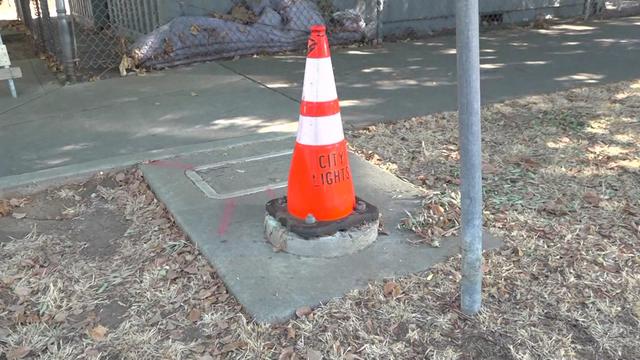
318	28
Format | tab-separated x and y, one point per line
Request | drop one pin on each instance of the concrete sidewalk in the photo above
52	130
408	79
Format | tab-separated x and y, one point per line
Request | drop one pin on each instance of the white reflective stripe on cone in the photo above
319	84
323	130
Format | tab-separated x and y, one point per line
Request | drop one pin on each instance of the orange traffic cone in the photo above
321	215
320	183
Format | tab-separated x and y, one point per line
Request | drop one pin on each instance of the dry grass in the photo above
562	188
147	294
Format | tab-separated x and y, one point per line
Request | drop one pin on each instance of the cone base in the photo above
365	213
339	244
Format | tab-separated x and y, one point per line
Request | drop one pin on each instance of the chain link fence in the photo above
264	27
38	19
108	33
103	29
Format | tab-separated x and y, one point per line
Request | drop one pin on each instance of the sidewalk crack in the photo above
258	82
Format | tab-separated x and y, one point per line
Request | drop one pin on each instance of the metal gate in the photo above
102	29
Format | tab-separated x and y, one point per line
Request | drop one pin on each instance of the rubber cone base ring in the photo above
366	213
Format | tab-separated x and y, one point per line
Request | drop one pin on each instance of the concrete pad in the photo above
116	117
271	285
406	79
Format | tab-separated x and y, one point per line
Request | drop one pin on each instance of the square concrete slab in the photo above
228	227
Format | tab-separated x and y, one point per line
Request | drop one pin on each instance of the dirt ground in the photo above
100	271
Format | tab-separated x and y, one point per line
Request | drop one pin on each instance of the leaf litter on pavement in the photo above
562	189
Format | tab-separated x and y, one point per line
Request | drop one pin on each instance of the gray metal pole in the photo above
65	40
468	49
379	29
587	9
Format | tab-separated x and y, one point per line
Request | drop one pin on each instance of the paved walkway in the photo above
52	130
413	78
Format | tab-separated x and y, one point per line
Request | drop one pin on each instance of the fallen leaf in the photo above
22	291
172	275
314	354
5	208
222	325
287	353
125	64
98	333
155	319
528	163
17	202
198	349
91	353
488	169
636	309
8	280
18	353
291	333
227	339
303	311
19	215
60	317
161	261
205	293
391	289
232	346
591	198
437	209
191	269
555	208
194	315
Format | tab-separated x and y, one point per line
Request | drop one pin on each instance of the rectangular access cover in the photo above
239	177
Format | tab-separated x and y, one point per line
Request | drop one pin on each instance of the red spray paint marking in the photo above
270	193
227	215
171	164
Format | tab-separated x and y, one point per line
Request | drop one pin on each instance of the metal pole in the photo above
19	11
379	29
65	40
468	50
587	9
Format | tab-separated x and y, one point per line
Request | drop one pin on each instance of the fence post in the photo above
64	33
468	50
379	29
